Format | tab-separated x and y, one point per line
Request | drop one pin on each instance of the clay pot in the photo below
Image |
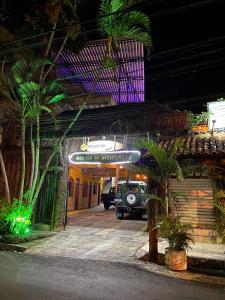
176	260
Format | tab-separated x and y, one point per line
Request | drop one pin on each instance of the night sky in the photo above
187	63
196	70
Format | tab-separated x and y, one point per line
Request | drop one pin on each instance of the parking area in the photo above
95	234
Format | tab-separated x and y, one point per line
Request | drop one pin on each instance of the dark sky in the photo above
187	64
188	60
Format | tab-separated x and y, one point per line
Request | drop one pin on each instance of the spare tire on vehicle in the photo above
132	199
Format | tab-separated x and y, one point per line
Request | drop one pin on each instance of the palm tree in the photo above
29	99
165	166
117	19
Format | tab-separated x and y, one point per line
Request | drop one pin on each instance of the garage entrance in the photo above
94	173
88	183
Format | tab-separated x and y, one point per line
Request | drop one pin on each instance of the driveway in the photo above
94	234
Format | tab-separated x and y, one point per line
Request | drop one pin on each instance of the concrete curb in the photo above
22	247
186	275
12	248
161	270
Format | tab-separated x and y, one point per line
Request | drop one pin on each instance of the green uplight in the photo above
19	218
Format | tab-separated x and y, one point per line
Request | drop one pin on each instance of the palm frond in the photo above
179	172
115	21
136	18
28	90
45	108
56	98
19	71
38	63
157	198
52	87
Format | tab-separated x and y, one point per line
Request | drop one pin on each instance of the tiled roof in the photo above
197	145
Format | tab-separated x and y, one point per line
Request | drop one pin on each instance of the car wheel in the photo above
106	206
119	214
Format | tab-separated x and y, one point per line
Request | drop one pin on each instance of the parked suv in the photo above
131	197
107	198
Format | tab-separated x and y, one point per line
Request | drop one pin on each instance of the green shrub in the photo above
220	228
19	216
179	235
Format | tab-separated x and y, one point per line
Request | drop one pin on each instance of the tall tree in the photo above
164	166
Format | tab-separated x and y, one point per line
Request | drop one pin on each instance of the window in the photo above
95	189
70	188
85	189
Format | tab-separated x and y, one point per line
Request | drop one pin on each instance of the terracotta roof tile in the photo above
197	145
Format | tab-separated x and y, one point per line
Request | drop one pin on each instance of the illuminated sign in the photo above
109	157
100	146
216	115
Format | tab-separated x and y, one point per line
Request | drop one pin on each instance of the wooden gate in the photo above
45	208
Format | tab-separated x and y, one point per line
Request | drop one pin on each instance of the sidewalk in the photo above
198	250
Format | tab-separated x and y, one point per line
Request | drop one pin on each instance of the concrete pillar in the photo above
117	176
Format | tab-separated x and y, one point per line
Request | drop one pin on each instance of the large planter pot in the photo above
176	260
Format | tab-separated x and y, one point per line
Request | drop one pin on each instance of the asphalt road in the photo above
29	277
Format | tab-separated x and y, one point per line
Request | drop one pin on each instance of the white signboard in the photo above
216	113
104	145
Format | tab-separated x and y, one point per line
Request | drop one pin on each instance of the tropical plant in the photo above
179	235
200	119
19	218
165	166
118	19
219	204
31	99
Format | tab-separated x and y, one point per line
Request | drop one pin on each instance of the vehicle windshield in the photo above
136	188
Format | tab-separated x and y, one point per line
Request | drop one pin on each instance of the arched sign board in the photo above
105	157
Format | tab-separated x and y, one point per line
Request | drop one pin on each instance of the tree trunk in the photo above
4	174
166	198
23	159
37	159
49	44
60	213
57	56
5	178
153	232
32	156
41	180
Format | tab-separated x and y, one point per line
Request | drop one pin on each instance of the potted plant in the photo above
179	237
